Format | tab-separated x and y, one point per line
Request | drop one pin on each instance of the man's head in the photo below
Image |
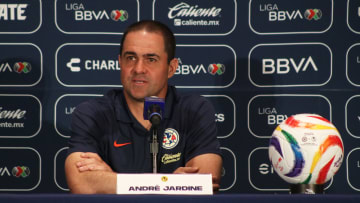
147	60
158	27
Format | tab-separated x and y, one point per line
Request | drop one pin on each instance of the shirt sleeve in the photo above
202	133
84	129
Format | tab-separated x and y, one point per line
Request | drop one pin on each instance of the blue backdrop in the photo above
257	61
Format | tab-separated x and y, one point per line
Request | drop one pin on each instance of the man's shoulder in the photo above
102	103
191	101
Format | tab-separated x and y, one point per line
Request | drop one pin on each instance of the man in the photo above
110	135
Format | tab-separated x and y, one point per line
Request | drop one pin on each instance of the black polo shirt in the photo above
105	126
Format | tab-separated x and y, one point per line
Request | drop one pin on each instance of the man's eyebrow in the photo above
152	55
129	53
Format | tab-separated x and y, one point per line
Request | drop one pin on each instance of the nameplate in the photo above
167	184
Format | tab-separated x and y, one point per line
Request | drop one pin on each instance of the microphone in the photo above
154	109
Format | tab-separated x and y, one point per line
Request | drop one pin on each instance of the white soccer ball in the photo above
306	149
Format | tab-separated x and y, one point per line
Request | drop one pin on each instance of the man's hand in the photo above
186	170
205	163
92	162
182	170
87	173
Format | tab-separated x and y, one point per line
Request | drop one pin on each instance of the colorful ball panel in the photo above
306	149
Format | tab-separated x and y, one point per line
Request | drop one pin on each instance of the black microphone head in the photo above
153	110
155	119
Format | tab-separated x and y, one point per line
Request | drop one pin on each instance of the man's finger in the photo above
89	155
216	187
186	170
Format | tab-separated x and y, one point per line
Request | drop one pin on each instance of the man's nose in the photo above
139	67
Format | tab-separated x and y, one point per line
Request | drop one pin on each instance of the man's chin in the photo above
135	97
140	97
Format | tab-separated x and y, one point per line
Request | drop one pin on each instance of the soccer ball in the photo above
306	149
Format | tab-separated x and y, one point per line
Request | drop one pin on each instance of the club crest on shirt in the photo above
171	138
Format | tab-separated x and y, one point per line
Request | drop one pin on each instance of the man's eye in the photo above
131	58
152	60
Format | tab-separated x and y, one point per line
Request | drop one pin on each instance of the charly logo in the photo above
72	64
21	171
93	65
170	139
92	60
216	68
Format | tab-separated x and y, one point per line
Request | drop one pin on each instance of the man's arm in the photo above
87	173
205	163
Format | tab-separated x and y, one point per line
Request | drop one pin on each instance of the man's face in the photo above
144	67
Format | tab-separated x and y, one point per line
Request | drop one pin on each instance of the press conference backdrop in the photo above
257	61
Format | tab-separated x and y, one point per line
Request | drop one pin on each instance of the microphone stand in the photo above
155	120
154	148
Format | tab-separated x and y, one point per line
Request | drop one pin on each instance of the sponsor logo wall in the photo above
256	61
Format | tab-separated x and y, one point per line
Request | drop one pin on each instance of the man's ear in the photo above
172	67
119	58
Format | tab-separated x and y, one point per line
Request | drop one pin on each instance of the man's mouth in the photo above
139	81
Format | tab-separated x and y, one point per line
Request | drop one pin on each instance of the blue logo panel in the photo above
290	65
95	17
353	169
263	176
290	17
64	107
21	64
196	17
228	173
353	64
225	112
20	116
20	16
266	112
88	65
206	69
59	166
20	169
352	116
353	15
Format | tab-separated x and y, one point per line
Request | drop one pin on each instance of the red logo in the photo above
121	144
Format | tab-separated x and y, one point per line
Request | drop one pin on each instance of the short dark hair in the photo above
154	26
